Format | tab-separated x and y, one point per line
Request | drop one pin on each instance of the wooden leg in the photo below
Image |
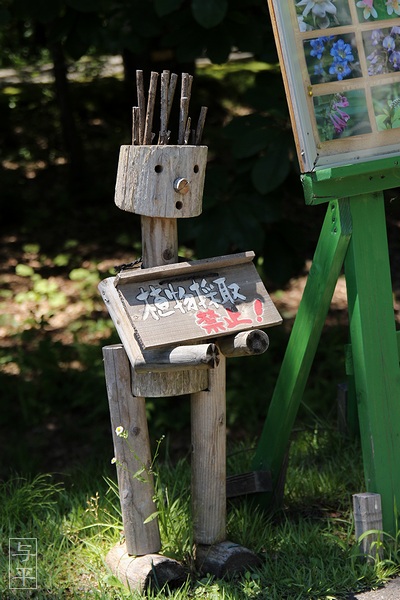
143	572
208	422
374	351
303	342
132	454
213	553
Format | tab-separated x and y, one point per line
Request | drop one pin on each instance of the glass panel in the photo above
341	63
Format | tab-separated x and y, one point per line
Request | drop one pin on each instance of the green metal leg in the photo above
374	351
317	296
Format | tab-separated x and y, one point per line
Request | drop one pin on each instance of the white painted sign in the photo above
194	301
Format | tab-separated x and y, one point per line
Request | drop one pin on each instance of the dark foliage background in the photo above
65	109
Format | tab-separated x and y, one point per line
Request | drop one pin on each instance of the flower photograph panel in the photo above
386	102
377	9
382	49
322	14
341	115
332	58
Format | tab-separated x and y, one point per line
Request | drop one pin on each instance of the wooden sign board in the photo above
192	301
340	61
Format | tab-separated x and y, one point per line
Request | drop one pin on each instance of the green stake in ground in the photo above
339	64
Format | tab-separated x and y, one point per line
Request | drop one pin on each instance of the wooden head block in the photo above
161	181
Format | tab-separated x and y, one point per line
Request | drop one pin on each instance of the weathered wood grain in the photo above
208	461
141	573
225	558
133	455
245	343
202	356
367	510
146	175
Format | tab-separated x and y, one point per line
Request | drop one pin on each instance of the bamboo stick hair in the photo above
143	113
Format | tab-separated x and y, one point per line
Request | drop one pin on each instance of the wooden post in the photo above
368	517
374	351
208	421
132	455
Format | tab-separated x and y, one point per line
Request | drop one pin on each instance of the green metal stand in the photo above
353	234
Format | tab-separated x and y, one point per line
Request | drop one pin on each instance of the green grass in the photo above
307	548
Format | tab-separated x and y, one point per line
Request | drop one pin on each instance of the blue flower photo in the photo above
332	58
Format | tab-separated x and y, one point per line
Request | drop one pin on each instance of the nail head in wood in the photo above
181	185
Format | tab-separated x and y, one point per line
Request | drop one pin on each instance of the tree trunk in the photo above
71	139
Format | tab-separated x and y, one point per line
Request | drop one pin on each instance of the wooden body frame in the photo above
304	92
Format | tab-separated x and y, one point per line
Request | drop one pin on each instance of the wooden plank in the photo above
225	559
182	268
303	342
150	385
323	185
208	460
211	304
375	351
248	483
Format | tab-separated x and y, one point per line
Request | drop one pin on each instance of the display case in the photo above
340	61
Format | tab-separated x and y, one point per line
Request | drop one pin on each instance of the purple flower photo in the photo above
382	50
341	115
